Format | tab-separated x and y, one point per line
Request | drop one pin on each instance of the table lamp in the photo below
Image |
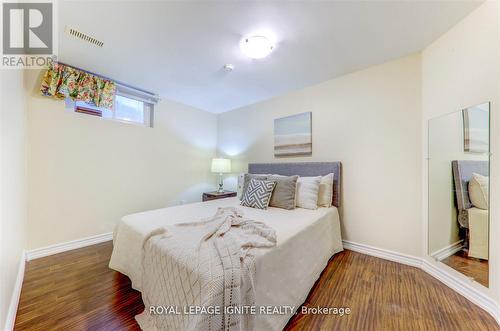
221	166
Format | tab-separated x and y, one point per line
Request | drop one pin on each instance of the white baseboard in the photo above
16	294
67	246
462	286
448	251
383	253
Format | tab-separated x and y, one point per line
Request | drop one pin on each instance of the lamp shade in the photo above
221	165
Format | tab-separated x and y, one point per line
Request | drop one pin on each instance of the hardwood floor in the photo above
471	267
77	291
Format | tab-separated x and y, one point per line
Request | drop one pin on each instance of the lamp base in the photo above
221	188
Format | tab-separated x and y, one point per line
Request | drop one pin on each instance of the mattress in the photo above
306	239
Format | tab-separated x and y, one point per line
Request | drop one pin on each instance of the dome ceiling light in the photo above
256	47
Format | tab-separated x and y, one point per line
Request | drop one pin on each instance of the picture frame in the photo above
476	128
293	135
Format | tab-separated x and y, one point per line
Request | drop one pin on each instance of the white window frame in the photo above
149	101
148	112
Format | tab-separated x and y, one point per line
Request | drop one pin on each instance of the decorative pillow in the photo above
246	180
478	191
284	192
258	193
325	195
307	192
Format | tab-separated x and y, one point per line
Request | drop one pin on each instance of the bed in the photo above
474	220
306	240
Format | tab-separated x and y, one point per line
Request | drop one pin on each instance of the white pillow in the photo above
307	192
325	195
478	191
241	181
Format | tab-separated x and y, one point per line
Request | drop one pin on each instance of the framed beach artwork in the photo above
292	135
476	128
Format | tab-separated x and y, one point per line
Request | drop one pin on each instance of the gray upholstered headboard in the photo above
462	174
303	169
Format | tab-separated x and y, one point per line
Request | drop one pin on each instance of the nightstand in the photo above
207	196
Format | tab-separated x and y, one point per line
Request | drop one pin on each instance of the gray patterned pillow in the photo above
258	193
246	180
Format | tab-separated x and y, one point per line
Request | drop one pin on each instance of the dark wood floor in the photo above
77	291
471	267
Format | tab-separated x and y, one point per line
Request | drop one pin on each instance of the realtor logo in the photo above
27	28
28	35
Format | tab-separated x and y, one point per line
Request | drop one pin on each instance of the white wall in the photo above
462	69
13	192
85	173
368	120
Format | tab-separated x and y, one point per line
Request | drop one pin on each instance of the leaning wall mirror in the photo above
458	164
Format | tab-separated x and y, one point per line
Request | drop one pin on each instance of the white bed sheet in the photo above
478	233
306	239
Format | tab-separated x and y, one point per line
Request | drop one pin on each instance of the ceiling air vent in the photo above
77	34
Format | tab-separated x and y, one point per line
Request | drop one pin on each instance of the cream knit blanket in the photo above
193	271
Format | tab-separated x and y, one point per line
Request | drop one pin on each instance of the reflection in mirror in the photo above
459	191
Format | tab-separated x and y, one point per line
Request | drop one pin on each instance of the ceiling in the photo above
178	49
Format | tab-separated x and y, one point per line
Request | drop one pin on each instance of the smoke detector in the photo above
228	67
83	36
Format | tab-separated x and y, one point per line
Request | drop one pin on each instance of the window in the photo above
131	110
127	108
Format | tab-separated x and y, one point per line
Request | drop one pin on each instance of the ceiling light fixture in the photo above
256	47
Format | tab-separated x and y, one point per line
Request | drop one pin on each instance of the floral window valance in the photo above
61	81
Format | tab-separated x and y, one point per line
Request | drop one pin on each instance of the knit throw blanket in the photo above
190	269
